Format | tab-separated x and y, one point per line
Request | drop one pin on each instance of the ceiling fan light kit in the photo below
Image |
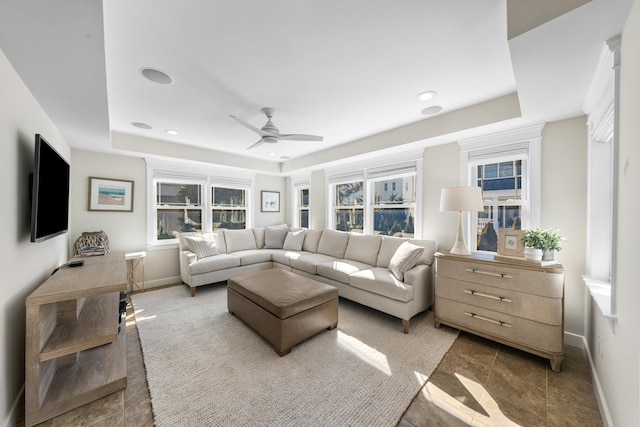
270	134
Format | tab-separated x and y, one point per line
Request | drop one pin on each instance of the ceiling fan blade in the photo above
256	144
249	126
298	137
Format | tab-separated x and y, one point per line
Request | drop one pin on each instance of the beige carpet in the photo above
207	368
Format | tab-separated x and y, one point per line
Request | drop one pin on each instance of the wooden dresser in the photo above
516	304
75	343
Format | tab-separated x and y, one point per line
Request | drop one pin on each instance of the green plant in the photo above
547	240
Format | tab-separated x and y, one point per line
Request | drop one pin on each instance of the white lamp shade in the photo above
468	199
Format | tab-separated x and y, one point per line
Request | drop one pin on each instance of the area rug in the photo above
205	367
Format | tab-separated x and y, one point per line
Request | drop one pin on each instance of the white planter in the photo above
547	256
533	254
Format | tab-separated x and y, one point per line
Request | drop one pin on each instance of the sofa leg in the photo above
405	326
193	291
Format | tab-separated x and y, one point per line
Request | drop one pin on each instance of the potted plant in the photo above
540	244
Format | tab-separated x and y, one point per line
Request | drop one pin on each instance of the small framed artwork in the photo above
106	194
270	201
509	243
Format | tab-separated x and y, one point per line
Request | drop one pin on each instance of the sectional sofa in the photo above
390	274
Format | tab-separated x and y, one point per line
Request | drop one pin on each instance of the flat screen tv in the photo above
49	193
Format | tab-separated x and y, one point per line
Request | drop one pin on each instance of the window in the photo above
183	200
504	200
506	166
379	198
349	206
229	208
602	107
178	208
394	212
300	203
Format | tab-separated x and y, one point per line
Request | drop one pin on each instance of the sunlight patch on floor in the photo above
465	414
366	353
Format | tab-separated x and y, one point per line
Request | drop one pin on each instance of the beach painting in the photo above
107	194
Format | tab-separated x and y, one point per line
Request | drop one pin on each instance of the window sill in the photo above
601	294
162	246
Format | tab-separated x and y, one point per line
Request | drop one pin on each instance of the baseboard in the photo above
12	416
148	284
573	340
597	388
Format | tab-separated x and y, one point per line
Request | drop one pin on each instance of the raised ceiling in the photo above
347	70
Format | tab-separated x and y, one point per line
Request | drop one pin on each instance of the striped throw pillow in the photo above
203	248
405	258
294	240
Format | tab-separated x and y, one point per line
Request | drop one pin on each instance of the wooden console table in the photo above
75	344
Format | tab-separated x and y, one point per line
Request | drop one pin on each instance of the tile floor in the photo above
478	382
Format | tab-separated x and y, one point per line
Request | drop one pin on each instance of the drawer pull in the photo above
480	294
488	273
486	319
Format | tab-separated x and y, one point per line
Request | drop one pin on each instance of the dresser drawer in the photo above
540	336
527	306
536	282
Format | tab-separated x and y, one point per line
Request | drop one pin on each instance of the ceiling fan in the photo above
270	133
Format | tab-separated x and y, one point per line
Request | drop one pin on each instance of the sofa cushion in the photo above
214	263
258	233
253	256
340	269
380	281
363	248
239	240
430	248
333	243
284	257
311	240
218	238
308	262
404	259
294	240
202	246
274	237
388	247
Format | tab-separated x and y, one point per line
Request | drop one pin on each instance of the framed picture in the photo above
107	194
270	201
509	243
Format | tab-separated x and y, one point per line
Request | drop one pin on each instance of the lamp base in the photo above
460	247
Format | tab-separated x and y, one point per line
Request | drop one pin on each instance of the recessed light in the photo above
271	154
285	157
171	132
156	76
141	125
425	96
432	110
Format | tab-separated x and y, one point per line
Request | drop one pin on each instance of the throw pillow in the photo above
404	259
294	240
203	248
274	237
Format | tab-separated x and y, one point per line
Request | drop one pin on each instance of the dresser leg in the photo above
556	361
436	323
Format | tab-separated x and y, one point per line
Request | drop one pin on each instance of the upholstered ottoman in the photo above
284	308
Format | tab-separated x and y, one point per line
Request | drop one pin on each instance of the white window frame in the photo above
378	169
215	183
519	144
298	184
602	106
158	170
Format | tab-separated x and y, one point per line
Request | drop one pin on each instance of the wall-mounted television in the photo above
49	193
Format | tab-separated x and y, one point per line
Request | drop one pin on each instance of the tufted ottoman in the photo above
284	308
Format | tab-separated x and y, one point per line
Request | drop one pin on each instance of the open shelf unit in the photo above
75	344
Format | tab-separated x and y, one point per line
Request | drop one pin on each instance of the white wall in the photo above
617	369
24	265
564	205
270	183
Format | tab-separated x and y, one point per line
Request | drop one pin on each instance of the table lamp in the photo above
467	199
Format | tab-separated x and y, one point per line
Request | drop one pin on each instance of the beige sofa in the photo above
381	272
